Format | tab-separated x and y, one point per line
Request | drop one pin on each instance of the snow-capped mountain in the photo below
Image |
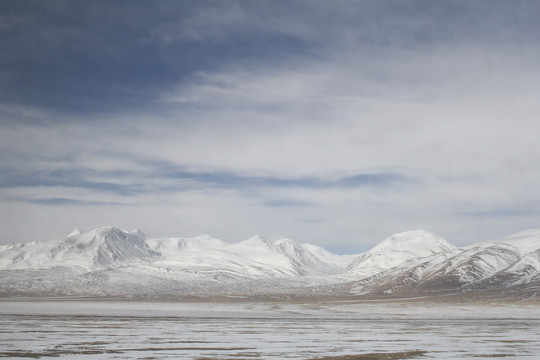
397	249
514	260
251	257
110	261
102	247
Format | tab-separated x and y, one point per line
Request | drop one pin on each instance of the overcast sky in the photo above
336	123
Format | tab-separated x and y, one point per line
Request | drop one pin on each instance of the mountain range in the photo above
108	261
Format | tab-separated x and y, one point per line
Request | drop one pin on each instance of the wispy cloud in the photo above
160	179
500	213
285	203
63	201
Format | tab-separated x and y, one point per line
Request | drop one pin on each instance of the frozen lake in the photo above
266	330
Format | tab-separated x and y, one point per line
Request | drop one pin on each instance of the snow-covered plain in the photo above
267	330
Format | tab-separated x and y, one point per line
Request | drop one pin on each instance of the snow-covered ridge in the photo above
398	249
101	247
489	265
282	256
109	246
111	261
525	242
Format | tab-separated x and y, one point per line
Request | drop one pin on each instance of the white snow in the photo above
76	231
396	250
524	241
100	247
254	256
110	261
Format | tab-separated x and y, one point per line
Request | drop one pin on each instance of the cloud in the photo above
285	203
504	213
234	19
162	178
63	201
185	118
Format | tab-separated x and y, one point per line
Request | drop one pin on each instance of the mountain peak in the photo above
256	240
526	241
397	249
104	230
418	241
285	241
204	237
205	241
138	232
76	231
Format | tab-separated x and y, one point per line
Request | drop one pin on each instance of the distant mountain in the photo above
103	247
108	261
485	266
254	256
397	249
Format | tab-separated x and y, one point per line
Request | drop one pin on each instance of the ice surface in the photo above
266	330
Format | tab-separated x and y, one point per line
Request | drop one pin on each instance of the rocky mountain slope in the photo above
108	261
494	265
102	247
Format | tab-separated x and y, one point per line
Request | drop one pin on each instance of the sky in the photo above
336	123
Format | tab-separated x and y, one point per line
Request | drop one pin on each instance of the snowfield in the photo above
330	330
108	261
